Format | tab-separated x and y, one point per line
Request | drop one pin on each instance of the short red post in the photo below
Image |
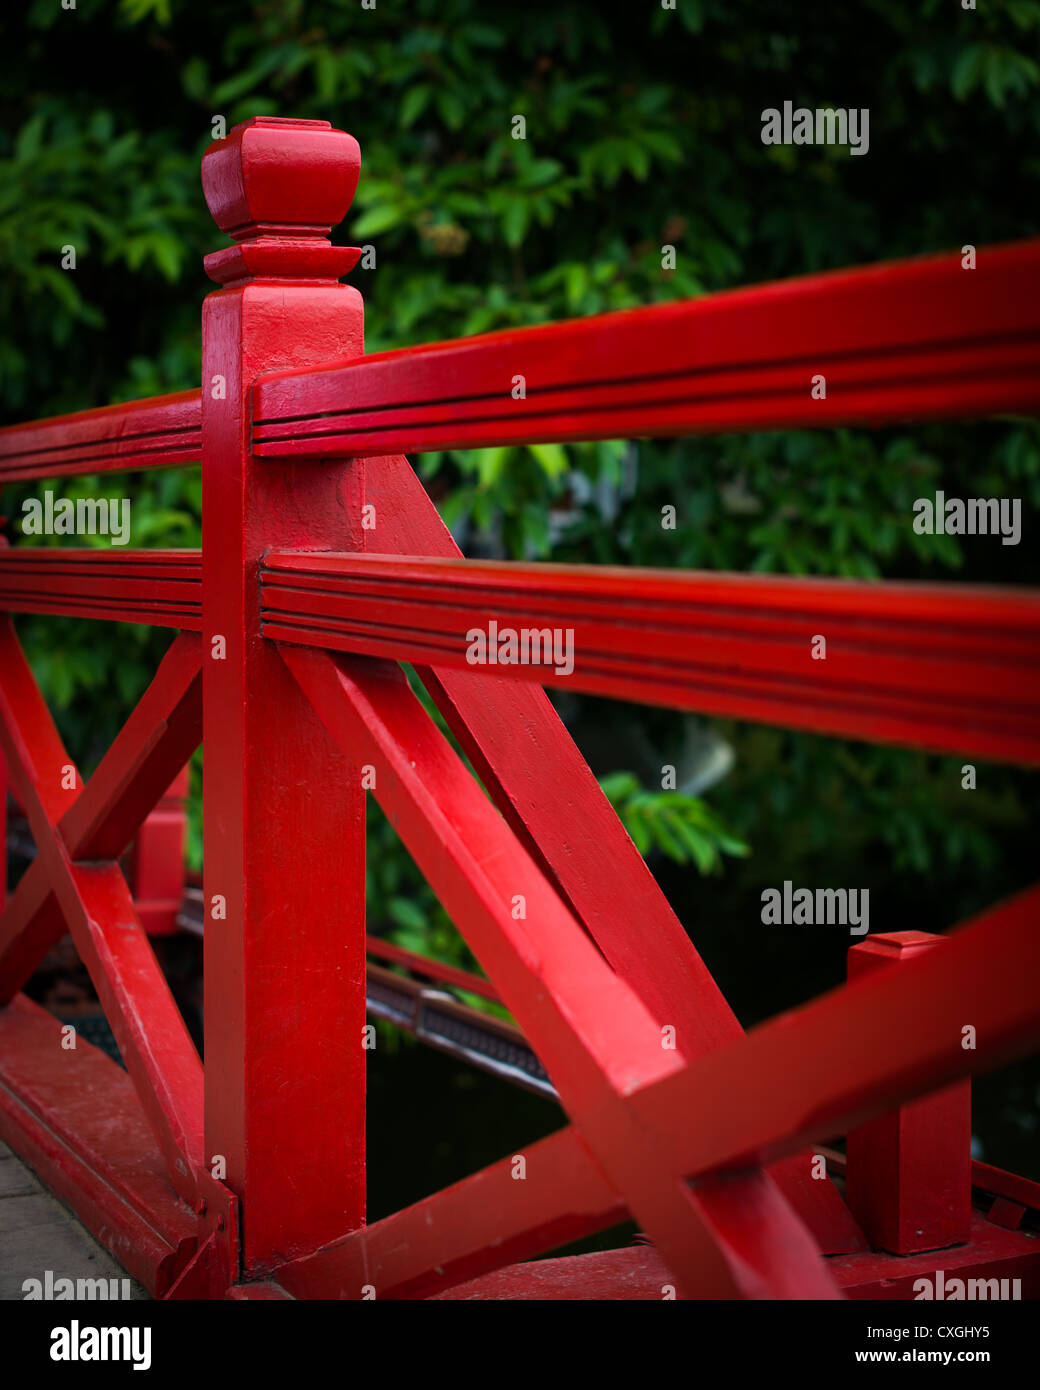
908	1172
157	877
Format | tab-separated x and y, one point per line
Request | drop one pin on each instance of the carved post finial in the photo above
278	187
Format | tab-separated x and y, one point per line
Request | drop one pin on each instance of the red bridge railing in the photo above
325	564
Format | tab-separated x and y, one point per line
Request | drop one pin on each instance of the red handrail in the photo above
917	339
155	433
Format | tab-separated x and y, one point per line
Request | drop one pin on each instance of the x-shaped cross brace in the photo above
75	882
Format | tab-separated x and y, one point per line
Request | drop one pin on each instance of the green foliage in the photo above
642	131
682	827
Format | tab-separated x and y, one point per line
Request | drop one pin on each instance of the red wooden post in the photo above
908	1172
157	877
284	809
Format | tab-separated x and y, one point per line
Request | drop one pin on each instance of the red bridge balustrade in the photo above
247	1180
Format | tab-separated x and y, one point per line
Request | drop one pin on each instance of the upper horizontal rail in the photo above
950	668
152	433
921	339
161	587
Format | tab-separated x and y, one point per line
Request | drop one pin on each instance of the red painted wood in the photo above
990	1253
435	969
589	1027
470	1227
163	588
161	733
559	986
1006	1214
637	1273
730	644
1008	1013
986	1181
157	876
284	809
74	1117
914	339
146	1023
1007	1185
543	787
31	924
98	909
153	433
278	186
285	986
889	1038
908	1171
634	1274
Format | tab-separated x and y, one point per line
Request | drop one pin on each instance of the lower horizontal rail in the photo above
161	587
951	668
637	1273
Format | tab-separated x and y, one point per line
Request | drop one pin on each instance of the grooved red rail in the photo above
915	339
153	433
737	645
162	587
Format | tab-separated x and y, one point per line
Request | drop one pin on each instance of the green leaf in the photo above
618	785
377	219
414	104
552	459
406	914
30	138
451	108
514	221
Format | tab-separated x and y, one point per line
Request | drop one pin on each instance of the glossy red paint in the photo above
156	874
908	1172
161	587
155	433
72	836
730	644
285	962
289	635
919	339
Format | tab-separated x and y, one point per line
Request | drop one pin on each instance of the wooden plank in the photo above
161	587
736	645
856	1052
546	792
99	911
916	339
589	1027
154	433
